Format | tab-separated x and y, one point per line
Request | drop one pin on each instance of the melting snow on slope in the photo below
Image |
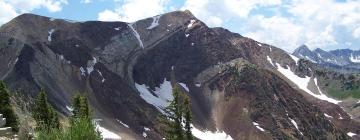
328	116
355	59
295	124
302	83
91	65
208	135
296	59
270	61
125	125
258	127
103	79
191	23
50	33
184	86
136	34
351	134
106	134
155	22
163	93
82	71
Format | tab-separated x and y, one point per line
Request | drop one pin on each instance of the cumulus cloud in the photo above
11	8
132	10
319	24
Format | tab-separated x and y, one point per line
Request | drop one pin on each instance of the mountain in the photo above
239	88
342	59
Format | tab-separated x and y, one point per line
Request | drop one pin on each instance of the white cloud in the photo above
108	15
320	23
132	10
11	8
216	12
85	1
7	12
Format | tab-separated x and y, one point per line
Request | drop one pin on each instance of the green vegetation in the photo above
178	114
354	93
81	127
6	108
45	116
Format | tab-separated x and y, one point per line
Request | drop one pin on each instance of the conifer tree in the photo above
174	113
6	108
44	114
188	118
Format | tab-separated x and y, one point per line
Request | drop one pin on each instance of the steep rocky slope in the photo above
239	88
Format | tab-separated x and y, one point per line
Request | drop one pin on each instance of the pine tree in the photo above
188	118
44	114
6	108
80	107
174	115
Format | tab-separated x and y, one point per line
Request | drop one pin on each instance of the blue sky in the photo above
287	24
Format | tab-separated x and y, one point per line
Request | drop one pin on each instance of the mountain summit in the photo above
239	88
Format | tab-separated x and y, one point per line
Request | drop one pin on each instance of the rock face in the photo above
237	85
344	60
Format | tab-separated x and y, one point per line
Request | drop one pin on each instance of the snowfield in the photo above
303	83
163	93
354	59
208	135
155	22
136	34
106	134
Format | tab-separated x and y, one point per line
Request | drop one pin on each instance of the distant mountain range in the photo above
344	59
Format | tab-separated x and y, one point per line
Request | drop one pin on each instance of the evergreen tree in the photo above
80	107
174	114
188	118
6	108
44	114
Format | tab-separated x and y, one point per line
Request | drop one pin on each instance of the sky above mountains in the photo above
326	24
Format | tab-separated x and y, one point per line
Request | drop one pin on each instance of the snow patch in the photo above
144	134
51	19
163	93
328	116
208	135
17	59
192	44
61	57
258	127
270	61
103	79
191	23
184	86
117	28
302	83
259	44
82	71
136	34
91	65
340	117
106	134
125	125
354	59
50	33
296	126
351	134
155	22
198	85
187	35
69	108
146	129
296	59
